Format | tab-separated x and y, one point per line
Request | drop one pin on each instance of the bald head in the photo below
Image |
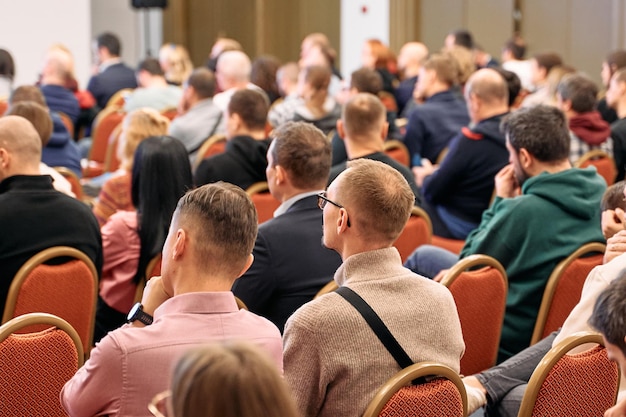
20	147
233	67
411	57
58	66
490	88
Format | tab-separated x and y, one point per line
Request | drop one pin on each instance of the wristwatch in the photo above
137	313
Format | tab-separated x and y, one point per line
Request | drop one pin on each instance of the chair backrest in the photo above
35	366
443	396
118	99
329	287
417	231
397	150
4	105
111	161
563	289
170	113
214	145
603	162
68	290
106	121
453	245
263	200
583	384
72	178
152	270
67	122
480	298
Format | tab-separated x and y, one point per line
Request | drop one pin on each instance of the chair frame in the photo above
25	320
592	154
34	262
331	286
393	144
409	374
74	181
547	363
553	281
112	103
208	142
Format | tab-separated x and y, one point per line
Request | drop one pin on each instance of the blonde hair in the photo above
229	380
174	60
465	62
137	126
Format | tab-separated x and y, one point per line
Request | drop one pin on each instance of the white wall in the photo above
361	20
29	27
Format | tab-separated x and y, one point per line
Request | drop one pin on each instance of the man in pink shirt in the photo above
208	247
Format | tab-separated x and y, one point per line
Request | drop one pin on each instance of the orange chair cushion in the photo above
438	398
265	205
415	233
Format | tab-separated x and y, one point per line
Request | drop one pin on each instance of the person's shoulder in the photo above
318	313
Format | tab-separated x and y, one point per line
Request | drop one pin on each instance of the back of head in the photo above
304	152
252	106
60	62
609	313
613	197
514	84
27	93
541	130
516	46
222	221
412	53
36	114
620	75
488	86
318	77
20	139
7	66
175	61
363	116
366	80
229	380
463	38
263	74
151	66
555	76
288	73
377	198
464	61
616	59
234	65
203	82
137	126
161	175
548	60
580	90
380	52
446	68
110	42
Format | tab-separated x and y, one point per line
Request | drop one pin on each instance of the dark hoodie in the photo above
555	215
61	150
590	128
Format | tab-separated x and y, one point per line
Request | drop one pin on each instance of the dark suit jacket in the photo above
116	77
290	264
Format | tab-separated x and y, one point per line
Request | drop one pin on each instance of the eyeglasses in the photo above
322	200
159	406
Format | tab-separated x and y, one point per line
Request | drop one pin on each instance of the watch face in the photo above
133	312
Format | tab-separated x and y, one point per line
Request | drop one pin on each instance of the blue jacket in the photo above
432	125
114	78
60	99
61	150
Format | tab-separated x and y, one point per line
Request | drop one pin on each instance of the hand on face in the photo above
612	222
615	246
506	183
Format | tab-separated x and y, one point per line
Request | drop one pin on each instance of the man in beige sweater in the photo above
334	363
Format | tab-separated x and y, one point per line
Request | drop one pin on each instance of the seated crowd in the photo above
236	323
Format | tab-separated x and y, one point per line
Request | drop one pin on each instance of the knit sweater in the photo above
334	363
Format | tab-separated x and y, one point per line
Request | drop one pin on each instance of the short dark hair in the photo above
580	90
541	130
252	106
366	80
548	60
363	115
28	93
302	150
111	42
609	312
203	82
35	113
616	60
463	37
613	197
152	66
516	46
513	83
7	65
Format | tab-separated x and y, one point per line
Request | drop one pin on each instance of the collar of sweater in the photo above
370	265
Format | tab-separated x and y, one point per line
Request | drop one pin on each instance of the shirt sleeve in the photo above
437	185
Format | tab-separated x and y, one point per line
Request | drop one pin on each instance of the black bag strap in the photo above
377	325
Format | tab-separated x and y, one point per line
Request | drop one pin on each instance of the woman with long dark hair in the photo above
161	174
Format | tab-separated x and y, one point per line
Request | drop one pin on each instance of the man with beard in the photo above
543	211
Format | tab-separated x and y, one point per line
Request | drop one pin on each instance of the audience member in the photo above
7	73
513	53
410	59
290	264
459	37
220	46
116	191
538	184
244	161
199	118
363	129
33	215
263	74
317	106
334	363
60	150
459	190
541	64
465	66
226	380
616	99
316	50
130	239
58	68
175	62
513	85
552	83
576	96
283	111
232	74
154	91
483	59
112	74
614	61
39	116
377	56
613	205
434	123
208	246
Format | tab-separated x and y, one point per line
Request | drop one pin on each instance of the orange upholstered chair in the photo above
263	200
603	162
67	122
106	121
68	290
35	366
214	145
453	245
152	270
443	396
72	178
582	385
397	150
480	298
118	99
418	231
111	160
170	113
4	105
564	286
